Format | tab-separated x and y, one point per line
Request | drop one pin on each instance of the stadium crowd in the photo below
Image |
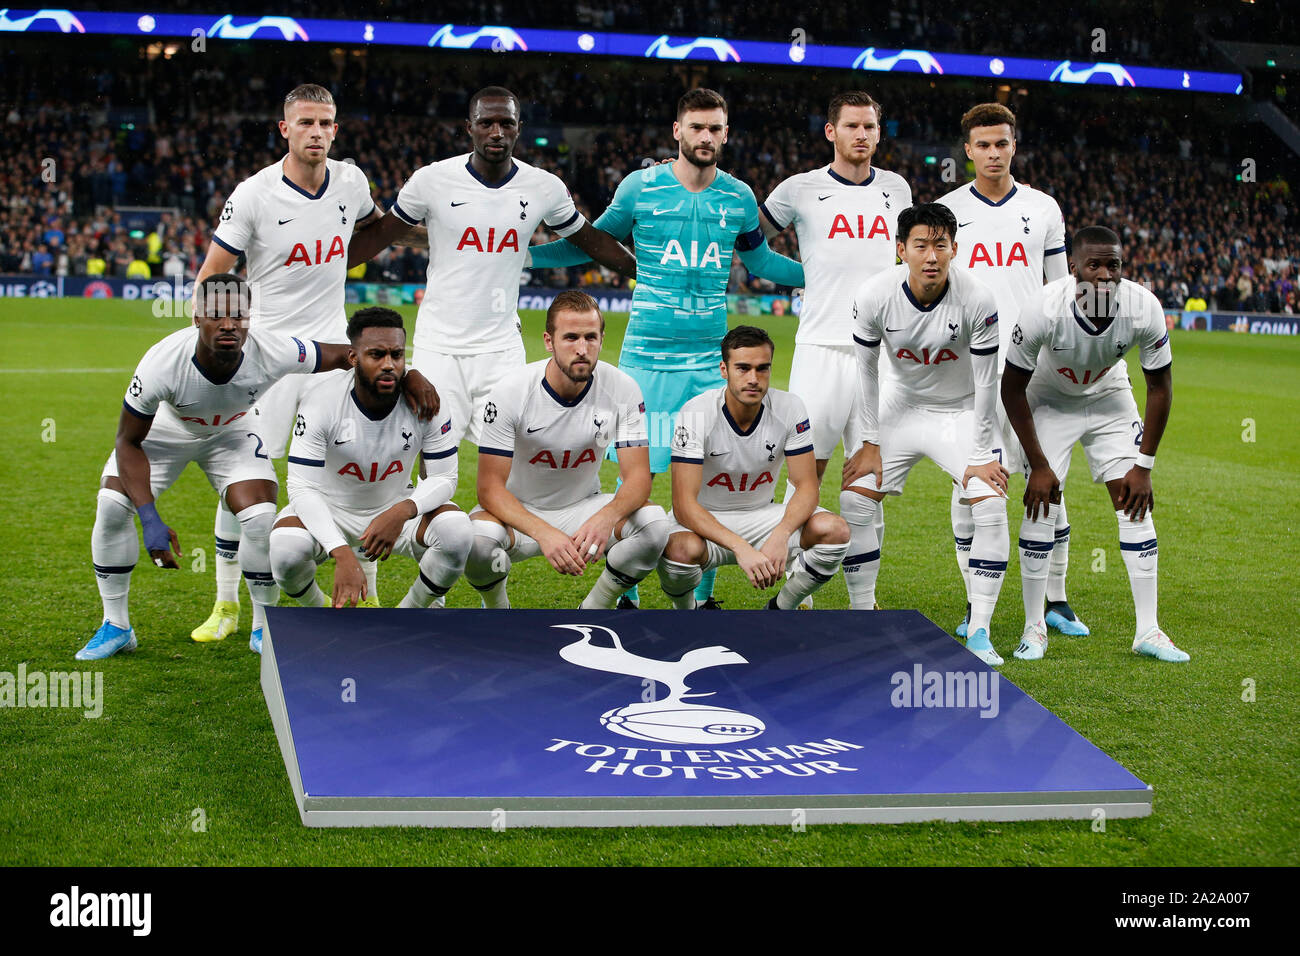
166	135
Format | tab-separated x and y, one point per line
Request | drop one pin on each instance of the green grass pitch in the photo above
185	729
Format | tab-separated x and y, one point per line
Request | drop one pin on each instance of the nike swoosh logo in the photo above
715	454
340	441
1060	348
539	428
283	221
893	330
465	203
186	405
656	212
824	198
963	225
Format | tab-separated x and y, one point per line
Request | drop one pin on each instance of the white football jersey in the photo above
1006	243
478	239
740	468
557	445
928	348
847	232
296	244
1071	358
169	384
360	463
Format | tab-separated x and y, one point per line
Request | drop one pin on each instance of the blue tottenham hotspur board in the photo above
581	718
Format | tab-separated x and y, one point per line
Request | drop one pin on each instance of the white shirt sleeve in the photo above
866	336
440	465
287	354
238	222
1153	345
631	429
798	437
148	388
1027	335
688	434
365	201
412	203
562	216
306	466
779	205
500	419
1054	242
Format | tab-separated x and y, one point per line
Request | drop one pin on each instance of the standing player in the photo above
189	401
1012	236
481	209
350	467
727	451
292	222
686	219
938	327
1065	382
845	216
546	428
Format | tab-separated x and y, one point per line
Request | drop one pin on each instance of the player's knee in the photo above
487	553
858	509
256	520
652	527
452	533
827	528
684	547
113	510
292	551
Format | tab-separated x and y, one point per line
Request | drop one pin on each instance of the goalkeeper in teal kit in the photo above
686	218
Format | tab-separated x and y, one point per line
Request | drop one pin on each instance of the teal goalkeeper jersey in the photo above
684	243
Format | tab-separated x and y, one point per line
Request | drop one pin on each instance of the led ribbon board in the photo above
593	718
505	39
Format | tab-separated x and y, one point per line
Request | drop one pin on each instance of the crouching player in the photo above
546	427
189	401
355	448
938	329
1065	382
727	447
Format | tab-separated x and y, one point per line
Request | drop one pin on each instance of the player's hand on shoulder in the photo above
349	579
1042	489
561	552
865	461
420	394
1136	497
992	473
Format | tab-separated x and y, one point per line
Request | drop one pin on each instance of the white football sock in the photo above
990	548
813	568
255	558
1036	538
114	549
227	532
1137	544
1060	562
862	559
963	530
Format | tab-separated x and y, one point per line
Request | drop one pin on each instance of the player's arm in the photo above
770	229
497	499
764	262
390	229
866	342
801	470
605	249
688	476
615	221
983	462
1042	487
433	491
133	472
1135	494
219	260
633	492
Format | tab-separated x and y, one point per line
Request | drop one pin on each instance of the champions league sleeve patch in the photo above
641	408
446	426
801	427
991	320
1162	341
302	349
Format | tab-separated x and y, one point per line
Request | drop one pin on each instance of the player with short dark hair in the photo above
938	329
353	457
481	209
189	401
1013	237
687	219
1066	382
291	223
727	452
845	217
545	430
